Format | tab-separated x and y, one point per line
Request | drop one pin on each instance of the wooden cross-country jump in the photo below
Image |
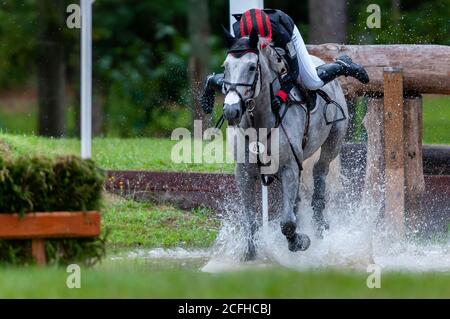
399	74
41	226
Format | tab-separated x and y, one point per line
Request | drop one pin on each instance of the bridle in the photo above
248	104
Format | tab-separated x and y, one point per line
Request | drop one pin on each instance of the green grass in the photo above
134	224
113	153
18	122
436	118
134	282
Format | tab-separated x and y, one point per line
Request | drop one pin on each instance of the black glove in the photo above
207	100
276	103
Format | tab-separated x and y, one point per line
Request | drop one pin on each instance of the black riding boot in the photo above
212	84
342	66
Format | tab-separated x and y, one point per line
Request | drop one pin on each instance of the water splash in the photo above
356	239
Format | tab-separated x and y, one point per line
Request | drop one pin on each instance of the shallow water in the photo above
357	239
347	247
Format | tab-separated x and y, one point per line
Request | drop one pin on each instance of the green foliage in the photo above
142	65
40	184
420	22
18	44
26	185
141	52
15	252
88	251
78	184
32	184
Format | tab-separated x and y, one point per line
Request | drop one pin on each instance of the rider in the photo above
277	26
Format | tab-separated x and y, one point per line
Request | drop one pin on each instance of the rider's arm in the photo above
282	37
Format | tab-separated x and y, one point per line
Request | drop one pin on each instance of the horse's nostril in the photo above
231	112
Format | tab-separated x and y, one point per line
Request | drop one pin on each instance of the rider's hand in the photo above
276	103
207	101
279	99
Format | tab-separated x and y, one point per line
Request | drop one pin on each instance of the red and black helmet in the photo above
258	19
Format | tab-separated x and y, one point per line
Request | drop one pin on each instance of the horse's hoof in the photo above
300	242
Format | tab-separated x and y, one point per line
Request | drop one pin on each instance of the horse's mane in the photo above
273	57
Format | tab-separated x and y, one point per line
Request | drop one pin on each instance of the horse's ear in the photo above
254	39
229	39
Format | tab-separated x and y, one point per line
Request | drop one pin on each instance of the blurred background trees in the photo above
147	52
327	21
51	67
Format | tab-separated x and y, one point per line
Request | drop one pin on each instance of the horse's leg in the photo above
290	179
329	150
297	202
246	178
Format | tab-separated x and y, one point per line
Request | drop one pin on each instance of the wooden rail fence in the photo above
41	226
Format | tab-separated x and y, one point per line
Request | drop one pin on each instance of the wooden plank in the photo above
414	180
394	150
50	225
426	68
373	195
38	251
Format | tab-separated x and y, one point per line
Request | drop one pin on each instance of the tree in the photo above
198	18
51	67
328	21
396	10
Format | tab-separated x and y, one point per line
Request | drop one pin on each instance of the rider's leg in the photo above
315	77
307	70
213	83
342	66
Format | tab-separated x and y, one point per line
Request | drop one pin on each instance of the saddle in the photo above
299	95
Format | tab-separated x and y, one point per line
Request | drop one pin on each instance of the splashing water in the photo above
356	239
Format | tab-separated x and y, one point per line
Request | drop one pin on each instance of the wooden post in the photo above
394	150
373	195
38	251
414	180
428	76
394	182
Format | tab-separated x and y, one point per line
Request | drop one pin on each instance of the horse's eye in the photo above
279	60
252	68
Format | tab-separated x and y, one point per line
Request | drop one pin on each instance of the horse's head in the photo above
243	76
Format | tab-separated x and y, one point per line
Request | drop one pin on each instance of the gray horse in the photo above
248	104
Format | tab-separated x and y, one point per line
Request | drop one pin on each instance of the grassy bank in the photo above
133	224
132	282
111	153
